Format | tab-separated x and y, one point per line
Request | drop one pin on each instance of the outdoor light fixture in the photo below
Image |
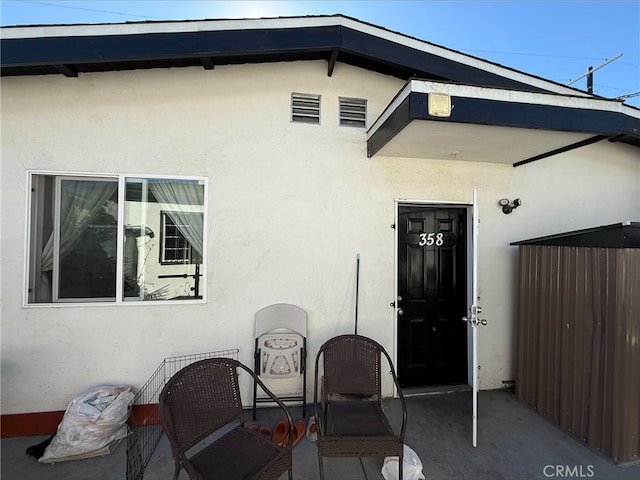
507	206
439	104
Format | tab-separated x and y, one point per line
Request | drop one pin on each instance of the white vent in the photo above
305	108
353	112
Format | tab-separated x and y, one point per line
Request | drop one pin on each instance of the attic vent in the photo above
305	108
353	112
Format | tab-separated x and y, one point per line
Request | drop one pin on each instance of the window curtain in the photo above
190	225
80	200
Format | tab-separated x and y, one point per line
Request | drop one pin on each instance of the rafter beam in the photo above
332	61
207	63
66	70
567	148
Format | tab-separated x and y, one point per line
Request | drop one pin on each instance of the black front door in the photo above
432	286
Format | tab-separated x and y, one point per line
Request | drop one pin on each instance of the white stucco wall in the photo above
290	206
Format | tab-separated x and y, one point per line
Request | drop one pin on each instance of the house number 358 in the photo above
429	239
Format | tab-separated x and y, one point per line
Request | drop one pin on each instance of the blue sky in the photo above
557	40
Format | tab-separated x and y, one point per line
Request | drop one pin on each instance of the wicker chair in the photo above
349	414
202	401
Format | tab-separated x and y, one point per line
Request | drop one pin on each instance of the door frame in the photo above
469	270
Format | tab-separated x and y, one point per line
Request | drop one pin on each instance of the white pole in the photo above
474	313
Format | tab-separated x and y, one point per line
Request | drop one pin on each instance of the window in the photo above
98	239
305	108
176	247
353	112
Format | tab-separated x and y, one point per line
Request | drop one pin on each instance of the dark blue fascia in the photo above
601	124
115	48
527	115
393	125
36	56
419	63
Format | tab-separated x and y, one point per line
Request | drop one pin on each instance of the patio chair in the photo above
201	409
281	350
349	414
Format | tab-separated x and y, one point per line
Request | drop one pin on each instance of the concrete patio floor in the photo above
514	442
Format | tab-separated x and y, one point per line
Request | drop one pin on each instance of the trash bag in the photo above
411	466
94	422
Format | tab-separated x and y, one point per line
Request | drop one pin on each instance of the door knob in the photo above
474	320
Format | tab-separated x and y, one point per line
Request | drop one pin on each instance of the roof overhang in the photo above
75	49
495	125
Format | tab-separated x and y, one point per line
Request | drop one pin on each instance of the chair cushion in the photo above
357	429
241	454
356	418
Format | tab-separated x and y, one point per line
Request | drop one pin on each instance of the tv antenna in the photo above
589	73
630	95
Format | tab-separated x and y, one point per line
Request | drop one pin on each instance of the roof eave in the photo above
43	49
562	122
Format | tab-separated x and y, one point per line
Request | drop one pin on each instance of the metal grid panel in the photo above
144	422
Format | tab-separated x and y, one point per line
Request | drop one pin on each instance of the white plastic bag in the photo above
92	422
411	466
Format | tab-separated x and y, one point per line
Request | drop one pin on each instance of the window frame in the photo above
34	207
55	287
164	217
